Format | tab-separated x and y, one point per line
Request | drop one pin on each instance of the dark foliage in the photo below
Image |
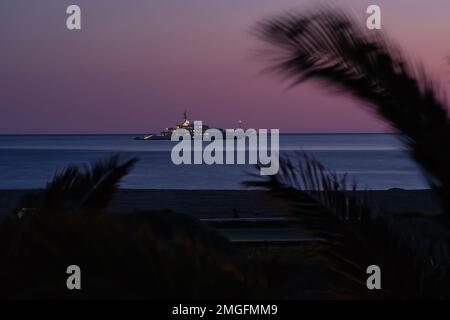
141	255
329	46
157	255
414	265
87	189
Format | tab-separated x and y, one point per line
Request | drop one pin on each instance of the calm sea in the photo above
376	161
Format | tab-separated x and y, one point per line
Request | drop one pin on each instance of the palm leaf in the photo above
88	189
330	207
329	46
104	178
324	207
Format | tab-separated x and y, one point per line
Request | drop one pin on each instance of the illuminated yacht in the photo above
188	125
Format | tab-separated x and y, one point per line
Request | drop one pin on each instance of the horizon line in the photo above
133	133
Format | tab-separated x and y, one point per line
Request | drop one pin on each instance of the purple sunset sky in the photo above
136	65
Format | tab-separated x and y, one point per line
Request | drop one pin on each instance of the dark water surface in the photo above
376	161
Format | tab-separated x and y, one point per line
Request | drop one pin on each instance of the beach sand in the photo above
233	203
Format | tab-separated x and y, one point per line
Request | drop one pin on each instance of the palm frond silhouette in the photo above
89	188
330	207
329	46
143	254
